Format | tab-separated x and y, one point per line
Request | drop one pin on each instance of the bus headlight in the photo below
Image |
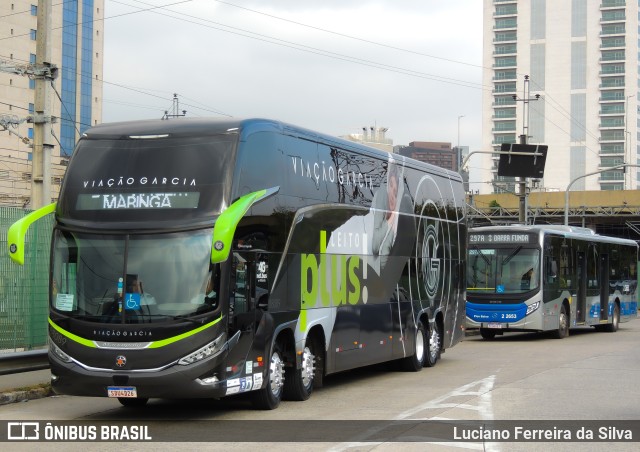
532	307
59	353
204	352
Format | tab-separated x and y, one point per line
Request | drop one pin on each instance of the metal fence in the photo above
24	289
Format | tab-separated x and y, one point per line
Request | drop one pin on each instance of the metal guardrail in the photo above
14	363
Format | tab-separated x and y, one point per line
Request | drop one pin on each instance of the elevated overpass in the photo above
614	213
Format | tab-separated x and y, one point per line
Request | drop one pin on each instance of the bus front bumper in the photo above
505	317
205	379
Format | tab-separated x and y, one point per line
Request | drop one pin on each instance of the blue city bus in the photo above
201	258
548	278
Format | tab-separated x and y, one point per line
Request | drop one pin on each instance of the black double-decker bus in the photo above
205	258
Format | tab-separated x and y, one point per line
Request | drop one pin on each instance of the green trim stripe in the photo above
18	231
156	344
73	337
179	337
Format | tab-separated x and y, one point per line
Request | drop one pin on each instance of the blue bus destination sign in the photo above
135	201
500	237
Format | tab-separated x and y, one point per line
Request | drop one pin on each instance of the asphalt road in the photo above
587	379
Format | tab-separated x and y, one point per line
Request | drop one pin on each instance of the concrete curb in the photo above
26	394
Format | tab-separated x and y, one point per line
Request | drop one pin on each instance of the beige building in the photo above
76	41
375	137
581	57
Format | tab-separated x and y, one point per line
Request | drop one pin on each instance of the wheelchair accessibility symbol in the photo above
132	301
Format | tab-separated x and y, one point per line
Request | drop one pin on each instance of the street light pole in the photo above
626	140
566	192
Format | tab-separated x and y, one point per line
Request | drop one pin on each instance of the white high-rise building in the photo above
581	57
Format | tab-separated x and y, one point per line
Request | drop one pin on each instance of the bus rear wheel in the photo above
416	361
269	396
434	346
563	324
298	384
132	402
615	321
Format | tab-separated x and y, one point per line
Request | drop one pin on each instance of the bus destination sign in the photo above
500	237
138	201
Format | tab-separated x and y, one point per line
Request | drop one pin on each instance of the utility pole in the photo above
43	72
175	109
522	217
42	144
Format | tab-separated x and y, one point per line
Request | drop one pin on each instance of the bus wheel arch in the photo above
306	371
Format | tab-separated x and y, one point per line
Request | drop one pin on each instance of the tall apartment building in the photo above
581	57
76	41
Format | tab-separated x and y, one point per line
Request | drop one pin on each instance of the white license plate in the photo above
122	391
494	325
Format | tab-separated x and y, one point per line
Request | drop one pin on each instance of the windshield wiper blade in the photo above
184	317
506	260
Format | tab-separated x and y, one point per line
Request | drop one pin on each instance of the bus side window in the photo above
551	270
238	285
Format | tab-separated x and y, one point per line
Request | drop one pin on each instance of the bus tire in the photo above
487	333
269	396
563	324
615	321
416	361
298	384
132	402
434	344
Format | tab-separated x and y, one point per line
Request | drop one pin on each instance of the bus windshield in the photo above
507	270
133	278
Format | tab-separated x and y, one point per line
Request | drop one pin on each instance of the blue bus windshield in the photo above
503	270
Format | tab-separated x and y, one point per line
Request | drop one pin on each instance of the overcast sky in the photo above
334	66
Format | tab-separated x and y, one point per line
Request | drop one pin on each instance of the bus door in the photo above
581	278
604	286
241	302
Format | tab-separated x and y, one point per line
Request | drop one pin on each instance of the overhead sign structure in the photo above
514	164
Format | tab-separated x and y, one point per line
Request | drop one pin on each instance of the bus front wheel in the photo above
269	396
132	402
487	334
563	324
615	321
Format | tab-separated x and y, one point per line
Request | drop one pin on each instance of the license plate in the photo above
494	325
122	391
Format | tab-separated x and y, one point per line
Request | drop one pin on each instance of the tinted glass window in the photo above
148	179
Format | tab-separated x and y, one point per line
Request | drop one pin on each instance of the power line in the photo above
308	49
344	35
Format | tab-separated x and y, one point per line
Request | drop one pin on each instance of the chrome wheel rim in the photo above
419	345
276	373
308	367
434	343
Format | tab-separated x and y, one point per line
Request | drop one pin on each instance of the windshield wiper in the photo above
506	260
184	317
